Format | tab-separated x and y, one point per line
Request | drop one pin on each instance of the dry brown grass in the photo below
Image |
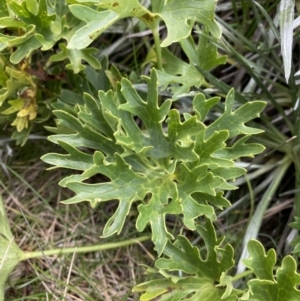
39	222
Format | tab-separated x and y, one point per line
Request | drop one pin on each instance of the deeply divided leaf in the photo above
179	18
150	155
282	286
179	75
203	276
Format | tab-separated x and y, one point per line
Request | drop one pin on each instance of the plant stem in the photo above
155	32
85	249
247	273
241	275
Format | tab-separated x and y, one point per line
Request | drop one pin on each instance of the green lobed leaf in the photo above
186	258
178	17
76	56
181	16
240	149
166	164
75	159
41	27
234	121
98	21
25	50
205	148
262	264
268	287
206	278
180	76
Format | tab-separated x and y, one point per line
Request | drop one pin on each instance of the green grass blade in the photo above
256	220
286	19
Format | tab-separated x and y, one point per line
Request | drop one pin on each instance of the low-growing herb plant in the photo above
154	157
169	166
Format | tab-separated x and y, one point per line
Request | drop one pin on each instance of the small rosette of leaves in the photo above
34	25
151	156
201	278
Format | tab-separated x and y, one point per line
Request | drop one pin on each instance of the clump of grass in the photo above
267	201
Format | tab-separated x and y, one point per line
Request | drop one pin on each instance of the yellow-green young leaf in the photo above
167	164
15	106
32	6
283	286
127	8
3	9
13	80
76	56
